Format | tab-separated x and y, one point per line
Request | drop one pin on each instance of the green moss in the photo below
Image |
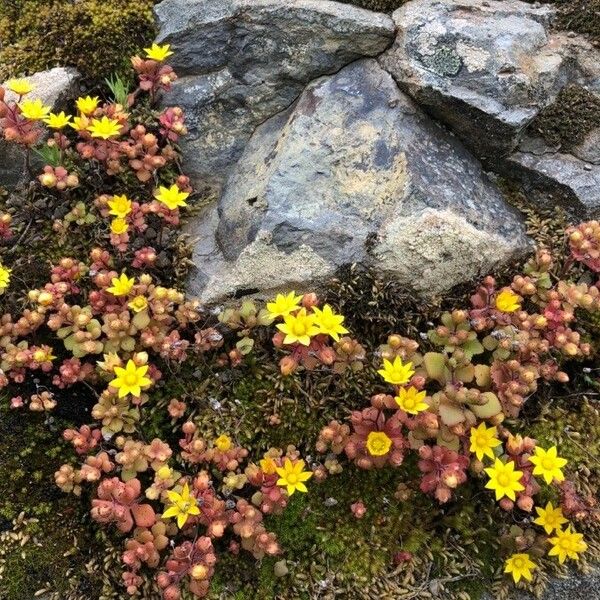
582	16
56	541
95	36
567	121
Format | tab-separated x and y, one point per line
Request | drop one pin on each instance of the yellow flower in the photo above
283	305
19	86
567	544
158	53
131	379
519	565
171	197
87	105
378	443
118	226
223	443
4	278
507	301
43	354
268	465
548	464
328	322
504	480
298	328
182	506
164	472
34	110
80	123
57	121
396	372
120	206
411	401
483	441
121	286
292	476
105	128
138	304
550	518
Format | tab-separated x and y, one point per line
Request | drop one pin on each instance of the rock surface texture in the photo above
54	87
487	68
242	61
354	172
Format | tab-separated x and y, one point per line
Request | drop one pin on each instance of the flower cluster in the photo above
450	402
111	324
306	333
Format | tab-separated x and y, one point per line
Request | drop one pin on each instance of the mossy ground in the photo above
44	534
328	552
95	36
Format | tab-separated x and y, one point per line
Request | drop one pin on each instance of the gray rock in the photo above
569	181
484	67
353	172
242	61
54	87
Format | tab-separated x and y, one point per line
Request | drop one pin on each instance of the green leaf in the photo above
435	365
248	309
128	344
490	343
482	375
490	409
452	442
141	320
472	347
50	155
69	342
451	415
118	88
465	374
245	345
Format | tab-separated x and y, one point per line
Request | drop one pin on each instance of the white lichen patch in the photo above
473	57
438	249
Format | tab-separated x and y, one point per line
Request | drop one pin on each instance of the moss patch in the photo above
96	36
582	16
567	121
43	535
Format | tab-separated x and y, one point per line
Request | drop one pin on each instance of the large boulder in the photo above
484	67
354	172
243	61
55	88
489	70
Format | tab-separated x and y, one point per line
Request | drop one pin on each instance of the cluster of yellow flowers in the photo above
299	325
504	478
103	128
4	278
121	206
565	544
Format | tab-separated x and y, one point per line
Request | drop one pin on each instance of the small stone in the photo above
280	568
